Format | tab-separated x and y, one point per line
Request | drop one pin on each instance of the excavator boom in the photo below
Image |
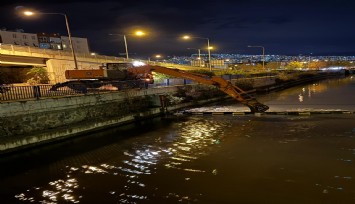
225	86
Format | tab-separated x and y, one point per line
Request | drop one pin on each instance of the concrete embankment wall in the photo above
26	123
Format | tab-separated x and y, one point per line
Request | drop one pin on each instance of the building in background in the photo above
49	41
80	45
197	63
44	41
18	37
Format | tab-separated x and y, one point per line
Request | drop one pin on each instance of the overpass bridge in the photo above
57	61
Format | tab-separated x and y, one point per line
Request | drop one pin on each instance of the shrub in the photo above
38	75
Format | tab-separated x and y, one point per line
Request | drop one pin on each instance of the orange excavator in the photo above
141	76
223	85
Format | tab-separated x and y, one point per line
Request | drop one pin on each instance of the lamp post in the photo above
30	13
208	48
137	33
263	54
125	43
309	59
199	54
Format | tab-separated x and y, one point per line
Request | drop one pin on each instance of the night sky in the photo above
288	27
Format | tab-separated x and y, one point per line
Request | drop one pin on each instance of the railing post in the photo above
36	92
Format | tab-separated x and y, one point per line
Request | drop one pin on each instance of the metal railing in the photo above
18	50
36	92
17	93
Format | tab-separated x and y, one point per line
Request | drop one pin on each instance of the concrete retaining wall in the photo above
31	122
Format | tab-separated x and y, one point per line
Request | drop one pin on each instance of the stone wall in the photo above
27	123
24	123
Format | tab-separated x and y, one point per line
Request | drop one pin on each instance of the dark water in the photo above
199	159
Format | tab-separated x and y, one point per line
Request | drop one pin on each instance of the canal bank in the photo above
26	124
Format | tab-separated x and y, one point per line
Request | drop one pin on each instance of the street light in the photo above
263	54
186	37
309	59
31	13
199	54
137	33
158	56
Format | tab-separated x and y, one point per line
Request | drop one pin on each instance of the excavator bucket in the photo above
255	106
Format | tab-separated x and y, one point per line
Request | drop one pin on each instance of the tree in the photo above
273	65
294	65
38	75
317	65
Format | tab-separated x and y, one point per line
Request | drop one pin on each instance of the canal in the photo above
203	159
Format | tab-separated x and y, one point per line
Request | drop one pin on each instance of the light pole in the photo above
208	48
263	54
199	54
137	33
30	13
125	43
309	59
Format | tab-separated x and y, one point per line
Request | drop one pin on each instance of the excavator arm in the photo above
223	85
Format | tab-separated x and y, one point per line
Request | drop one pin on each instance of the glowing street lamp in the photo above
31	13
263	54
137	33
187	37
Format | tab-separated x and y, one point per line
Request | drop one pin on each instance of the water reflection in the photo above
57	191
177	149
332	94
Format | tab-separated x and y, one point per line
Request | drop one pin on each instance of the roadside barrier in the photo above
303	113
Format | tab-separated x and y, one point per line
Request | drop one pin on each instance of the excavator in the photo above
139	77
222	84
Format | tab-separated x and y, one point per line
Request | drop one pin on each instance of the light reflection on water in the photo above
333	94
176	150
218	159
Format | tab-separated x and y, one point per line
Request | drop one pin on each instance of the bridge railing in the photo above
10	49
18	50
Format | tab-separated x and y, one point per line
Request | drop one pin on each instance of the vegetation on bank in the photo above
292	65
30	75
193	94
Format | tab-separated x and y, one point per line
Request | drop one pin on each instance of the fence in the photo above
15	93
24	92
